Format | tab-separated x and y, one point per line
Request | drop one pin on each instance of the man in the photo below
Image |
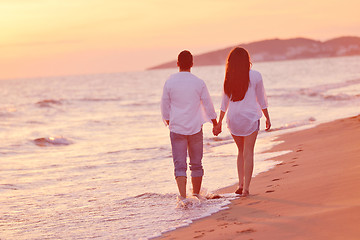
185	106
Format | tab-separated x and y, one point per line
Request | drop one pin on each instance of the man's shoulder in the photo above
173	77
195	78
180	76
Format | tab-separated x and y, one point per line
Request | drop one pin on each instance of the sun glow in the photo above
50	37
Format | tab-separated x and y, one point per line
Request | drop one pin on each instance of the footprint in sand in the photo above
287	172
223	224
200	236
202	233
254	203
275	179
249	230
238	223
270	191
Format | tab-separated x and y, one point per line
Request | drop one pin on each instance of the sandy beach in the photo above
313	194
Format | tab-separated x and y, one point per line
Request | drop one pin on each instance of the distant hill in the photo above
280	49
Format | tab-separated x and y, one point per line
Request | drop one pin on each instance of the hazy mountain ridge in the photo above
280	49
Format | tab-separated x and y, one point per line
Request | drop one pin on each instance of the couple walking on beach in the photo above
186	105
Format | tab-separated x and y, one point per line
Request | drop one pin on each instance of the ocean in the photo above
88	156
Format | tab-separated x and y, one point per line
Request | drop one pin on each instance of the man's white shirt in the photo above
186	103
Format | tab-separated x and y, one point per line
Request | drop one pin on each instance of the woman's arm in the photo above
224	105
268	123
222	114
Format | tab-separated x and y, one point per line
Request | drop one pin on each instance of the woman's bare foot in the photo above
239	191
245	193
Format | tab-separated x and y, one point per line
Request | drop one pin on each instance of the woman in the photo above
244	97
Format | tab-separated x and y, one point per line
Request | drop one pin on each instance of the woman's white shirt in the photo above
243	116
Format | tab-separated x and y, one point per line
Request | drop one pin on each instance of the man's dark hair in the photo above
185	60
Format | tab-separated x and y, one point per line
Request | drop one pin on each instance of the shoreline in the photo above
312	194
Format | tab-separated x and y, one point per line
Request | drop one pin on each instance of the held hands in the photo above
217	129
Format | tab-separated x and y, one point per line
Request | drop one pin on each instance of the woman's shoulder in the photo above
254	72
255	75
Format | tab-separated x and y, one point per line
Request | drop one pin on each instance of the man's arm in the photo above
214	122
208	105
165	106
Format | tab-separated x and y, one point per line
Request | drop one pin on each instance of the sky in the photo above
40	38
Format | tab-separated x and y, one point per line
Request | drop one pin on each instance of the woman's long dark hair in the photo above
237	77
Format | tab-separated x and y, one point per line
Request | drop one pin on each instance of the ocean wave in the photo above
154	195
48	103
324	91
35	122
122	102
220	139
137	104
172	196
340	97
8	187
142	198
7	111
116	99
217	141
171	213
52	141
292	125
348	90
137	149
